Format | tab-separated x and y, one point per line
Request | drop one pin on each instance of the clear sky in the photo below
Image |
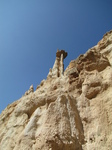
32	30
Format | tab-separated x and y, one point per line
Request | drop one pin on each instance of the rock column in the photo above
58	68
55	70
61	66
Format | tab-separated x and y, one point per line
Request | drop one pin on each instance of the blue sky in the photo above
32	30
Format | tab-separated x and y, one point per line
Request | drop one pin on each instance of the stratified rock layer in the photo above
70	110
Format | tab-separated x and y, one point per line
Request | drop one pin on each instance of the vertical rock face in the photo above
70	110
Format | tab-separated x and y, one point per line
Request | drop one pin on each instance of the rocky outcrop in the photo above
31	89
70	110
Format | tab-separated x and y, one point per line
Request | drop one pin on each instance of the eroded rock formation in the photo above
58	68
70	110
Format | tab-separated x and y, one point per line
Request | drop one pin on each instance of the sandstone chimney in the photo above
58	68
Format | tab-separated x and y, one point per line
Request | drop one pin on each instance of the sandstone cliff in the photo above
70	110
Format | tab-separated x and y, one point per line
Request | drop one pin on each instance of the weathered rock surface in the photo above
70	110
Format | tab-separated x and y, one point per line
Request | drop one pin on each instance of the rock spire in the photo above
58	68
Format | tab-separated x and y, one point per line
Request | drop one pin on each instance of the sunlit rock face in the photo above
70	110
